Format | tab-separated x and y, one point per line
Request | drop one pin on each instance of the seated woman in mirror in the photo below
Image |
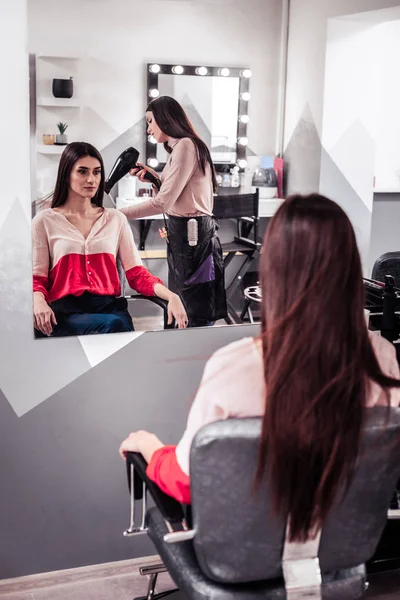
311	375
76	244
188	183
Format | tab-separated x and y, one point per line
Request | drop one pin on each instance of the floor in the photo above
123	582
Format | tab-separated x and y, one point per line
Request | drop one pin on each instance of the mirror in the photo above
216	102
102	100
211	105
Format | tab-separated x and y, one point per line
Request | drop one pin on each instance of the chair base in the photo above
171	594
153	571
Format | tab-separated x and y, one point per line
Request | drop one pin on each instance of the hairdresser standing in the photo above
188	182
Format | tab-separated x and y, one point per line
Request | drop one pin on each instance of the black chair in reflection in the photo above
387	264
163	304
243	208
236	548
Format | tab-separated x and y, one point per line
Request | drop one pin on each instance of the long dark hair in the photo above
318	359
173	121
71	154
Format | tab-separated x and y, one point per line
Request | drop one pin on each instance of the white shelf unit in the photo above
60	57
58	102
49	149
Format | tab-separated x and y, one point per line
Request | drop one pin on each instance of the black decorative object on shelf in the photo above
63	88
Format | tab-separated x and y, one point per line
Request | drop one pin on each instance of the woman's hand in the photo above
141	441
140	173
177	310
43	317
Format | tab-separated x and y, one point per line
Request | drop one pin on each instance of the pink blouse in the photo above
233	386
185	190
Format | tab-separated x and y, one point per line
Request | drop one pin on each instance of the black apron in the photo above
196	273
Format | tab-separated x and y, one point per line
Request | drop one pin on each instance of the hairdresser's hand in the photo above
143	442
43	317
177	310
140	173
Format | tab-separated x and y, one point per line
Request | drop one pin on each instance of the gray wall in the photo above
64	500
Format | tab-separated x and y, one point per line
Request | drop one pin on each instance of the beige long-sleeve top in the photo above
185	190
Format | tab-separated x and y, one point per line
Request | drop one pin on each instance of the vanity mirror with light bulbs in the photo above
216	100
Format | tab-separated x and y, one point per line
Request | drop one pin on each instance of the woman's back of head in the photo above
318	358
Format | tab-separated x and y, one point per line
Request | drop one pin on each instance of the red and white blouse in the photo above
65	262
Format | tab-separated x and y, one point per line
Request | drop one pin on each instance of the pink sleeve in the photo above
176	175
164	470
40	257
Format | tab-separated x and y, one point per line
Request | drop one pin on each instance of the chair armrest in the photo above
170	509
161	303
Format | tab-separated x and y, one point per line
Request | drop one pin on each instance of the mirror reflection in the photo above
211	104
150	225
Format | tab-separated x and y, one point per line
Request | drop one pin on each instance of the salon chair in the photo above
243	208
387	264
236	548
163	304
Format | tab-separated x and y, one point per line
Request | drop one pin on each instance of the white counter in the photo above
267	207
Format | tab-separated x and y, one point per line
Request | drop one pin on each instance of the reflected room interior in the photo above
217	100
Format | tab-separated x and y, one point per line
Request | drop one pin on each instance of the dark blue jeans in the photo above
89	314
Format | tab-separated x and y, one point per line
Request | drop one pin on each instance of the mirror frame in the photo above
244	84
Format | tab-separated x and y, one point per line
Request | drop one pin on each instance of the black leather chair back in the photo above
238	538
387	264
236	206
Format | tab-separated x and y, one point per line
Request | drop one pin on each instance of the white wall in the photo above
306	56
361	84
337	163
387	135
119	37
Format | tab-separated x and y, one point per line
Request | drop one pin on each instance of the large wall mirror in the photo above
82	91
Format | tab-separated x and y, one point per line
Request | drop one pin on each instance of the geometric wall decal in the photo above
33	369
354	154
336	186
302	157
99	347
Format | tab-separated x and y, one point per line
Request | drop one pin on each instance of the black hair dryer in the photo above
125	162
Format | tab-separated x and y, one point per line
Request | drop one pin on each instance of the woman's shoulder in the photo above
43	216
185	144
240	355
114	214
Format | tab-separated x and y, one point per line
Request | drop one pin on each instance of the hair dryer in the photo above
125	162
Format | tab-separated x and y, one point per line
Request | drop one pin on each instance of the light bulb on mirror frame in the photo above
154	93
202	71
244	118
152	162
152	139
178	70
224	72
242	163
246	73
243	141
155	68
245	96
